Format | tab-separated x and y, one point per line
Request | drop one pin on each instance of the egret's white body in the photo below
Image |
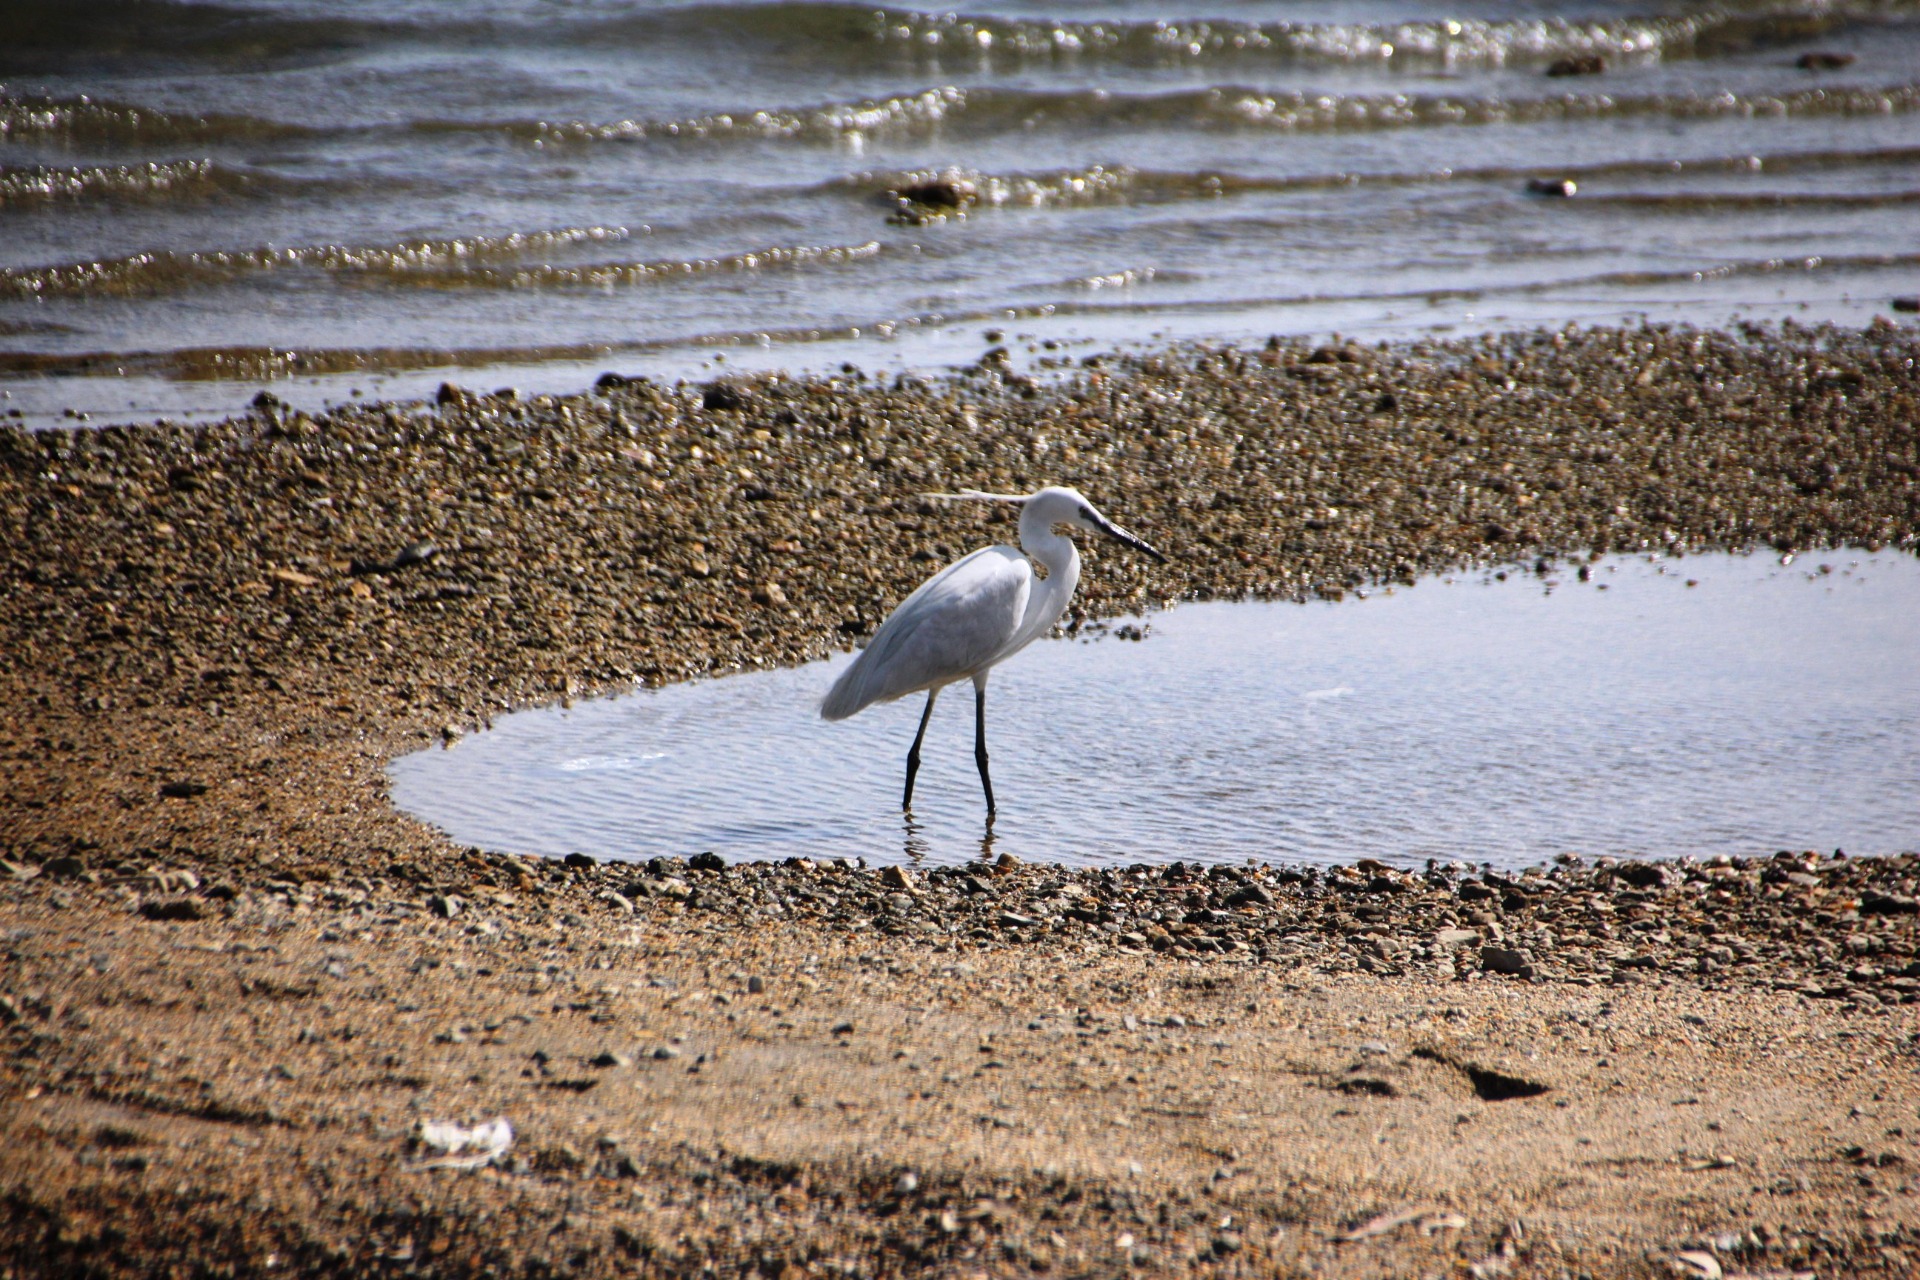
975	613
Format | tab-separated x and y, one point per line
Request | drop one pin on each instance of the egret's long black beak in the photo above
1120	535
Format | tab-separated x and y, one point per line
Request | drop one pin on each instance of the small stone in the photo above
1559	188
1455	937
708	861
843	1028
172	909
1513	962
756	985
610	1059
906	1184
445	905
1823	60
666	1053
582	860
1584	64
415	553
183	789
897	878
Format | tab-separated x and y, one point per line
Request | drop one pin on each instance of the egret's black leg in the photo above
980	741
913	756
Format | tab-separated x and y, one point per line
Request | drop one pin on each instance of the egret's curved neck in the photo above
1061	560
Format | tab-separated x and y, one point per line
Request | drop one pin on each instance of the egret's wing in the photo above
956	623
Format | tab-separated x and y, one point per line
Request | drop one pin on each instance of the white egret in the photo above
976	612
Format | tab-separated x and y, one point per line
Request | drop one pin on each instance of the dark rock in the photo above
183	789
1908	305
949	193
415	553
722	398
580	860
172	909
1516	963
1583	64
1554	187
66	867
1823	60
708	861
1874	903
1641	875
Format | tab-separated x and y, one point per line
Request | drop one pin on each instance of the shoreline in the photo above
218	635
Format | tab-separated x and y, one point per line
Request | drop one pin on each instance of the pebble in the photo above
1586	64
1516	962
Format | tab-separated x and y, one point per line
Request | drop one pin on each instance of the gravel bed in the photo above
238	979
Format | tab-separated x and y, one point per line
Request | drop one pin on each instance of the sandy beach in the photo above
238	981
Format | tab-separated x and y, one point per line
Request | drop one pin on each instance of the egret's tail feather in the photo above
848	695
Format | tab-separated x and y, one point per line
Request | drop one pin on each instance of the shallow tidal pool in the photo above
1662	707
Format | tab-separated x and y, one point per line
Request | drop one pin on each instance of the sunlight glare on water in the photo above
1669	707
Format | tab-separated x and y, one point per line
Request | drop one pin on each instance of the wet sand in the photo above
237	978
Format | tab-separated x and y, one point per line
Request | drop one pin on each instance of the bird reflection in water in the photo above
916	847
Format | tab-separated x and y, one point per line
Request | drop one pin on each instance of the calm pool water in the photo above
1665	707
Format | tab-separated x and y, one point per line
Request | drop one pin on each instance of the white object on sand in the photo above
452	1146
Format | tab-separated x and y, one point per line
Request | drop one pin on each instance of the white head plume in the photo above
976	495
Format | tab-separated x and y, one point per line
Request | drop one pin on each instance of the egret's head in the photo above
1057	505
